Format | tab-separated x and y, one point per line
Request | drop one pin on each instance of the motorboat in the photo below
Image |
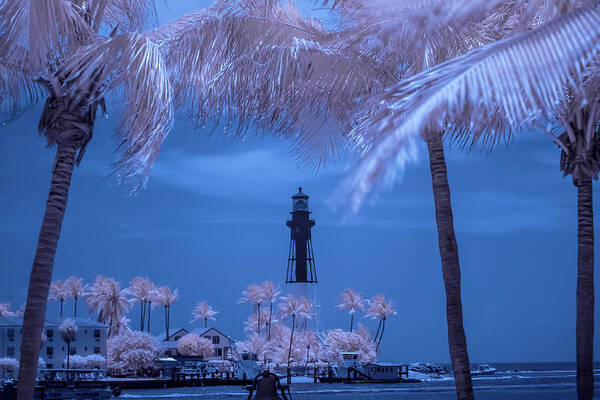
484	369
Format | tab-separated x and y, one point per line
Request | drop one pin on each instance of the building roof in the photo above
198	331
52	322
380	364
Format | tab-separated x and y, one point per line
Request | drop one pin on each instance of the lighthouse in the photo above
301	260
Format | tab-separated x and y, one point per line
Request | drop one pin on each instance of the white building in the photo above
91	339
221	342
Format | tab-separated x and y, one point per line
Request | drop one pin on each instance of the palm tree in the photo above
167	298
75	289
380	308
202	311
351	301
152	300
59	292
255	295
271	293
110	301
68	333
414	36
293	307
5	310
140	288
552	83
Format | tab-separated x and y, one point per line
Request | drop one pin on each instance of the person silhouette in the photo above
266	385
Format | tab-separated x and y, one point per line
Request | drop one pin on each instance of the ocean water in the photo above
512	381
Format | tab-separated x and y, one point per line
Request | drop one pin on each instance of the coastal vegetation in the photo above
476	73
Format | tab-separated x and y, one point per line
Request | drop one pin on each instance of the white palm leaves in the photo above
295	307
68	330
58	292
75	289
110	301
351	301
255	295
203	312
380	308
477	88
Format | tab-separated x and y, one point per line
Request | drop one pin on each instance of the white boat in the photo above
484	369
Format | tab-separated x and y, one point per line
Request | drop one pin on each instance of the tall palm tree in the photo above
167	298
68	333
271	294
203	312
140	288
293	307
76	289
351	301
255	295
178	65
552	87
110	301
414	36
380	308
59	292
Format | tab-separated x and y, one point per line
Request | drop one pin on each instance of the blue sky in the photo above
212	220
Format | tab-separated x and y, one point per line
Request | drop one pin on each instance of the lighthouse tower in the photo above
301	261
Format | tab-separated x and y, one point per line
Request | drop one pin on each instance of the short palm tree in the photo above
351	301
271	294
110	301
551	87
68	333
167	298
381	309
255	295
203	312
59	292
293	307
76	289
140	288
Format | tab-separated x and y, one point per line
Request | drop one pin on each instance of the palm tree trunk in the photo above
380	336
167	320
205	322
68	353
148	306
457	340
351	321
75	312
585	290
61	304
41	273
258	320
142	314
289	369
377	333
270	318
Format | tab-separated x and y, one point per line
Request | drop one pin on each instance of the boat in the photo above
484	369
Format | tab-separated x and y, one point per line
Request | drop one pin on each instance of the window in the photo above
85	331
216	339
219	352
49	334
96	333
10	332
73	350
207	337
10	351
49	351
85	348
49	366
96	350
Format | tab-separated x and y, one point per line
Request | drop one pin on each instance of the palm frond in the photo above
55	28
18	90
135	63
14	32
305	91
520	78
130	15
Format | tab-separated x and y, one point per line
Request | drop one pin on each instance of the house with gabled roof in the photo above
222	343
